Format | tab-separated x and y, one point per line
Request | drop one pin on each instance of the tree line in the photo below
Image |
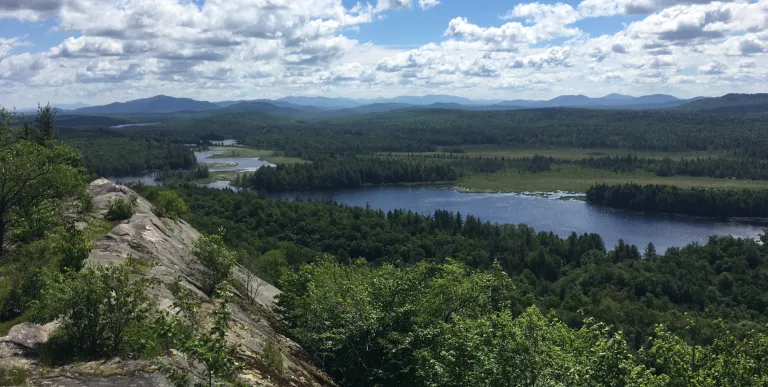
674	200
430	130
715	167
125	156
577	276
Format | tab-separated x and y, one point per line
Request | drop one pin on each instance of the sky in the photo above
98	51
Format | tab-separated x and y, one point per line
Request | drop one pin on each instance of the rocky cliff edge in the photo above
166	246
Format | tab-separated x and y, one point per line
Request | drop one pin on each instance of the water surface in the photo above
544	214
242	164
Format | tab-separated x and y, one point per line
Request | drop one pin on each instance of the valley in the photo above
637	219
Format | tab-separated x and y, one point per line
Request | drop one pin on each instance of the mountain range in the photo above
326	106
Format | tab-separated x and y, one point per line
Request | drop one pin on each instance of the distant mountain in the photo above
68	120
435	99
421	100
156	104
70	106
610	101
58	106
729	104
270	101
615	96
322	102
374	108
273	107
657	99
572	100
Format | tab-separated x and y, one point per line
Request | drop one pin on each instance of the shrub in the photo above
97	308
75	250
215	261
274	357
84	202
170	205
207	349
14	376
119	209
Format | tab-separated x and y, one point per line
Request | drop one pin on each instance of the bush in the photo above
119	209
98	308
84	202
274	357
14	376
170	205
75	251
206	349
215	261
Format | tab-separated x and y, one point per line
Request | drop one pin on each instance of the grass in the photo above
270	156
13	376
578	179
97	228
567	153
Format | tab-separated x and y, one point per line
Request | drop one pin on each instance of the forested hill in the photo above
729	104
425	130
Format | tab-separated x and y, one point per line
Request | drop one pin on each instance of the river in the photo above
544	214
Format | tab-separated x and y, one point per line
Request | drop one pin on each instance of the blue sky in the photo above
419	27
101	50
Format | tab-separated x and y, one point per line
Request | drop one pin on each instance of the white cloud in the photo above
713	68
427	4
219	49
511	35
598	8
611	77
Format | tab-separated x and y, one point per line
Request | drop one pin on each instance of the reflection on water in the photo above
544	214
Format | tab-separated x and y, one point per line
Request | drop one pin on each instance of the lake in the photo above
544	214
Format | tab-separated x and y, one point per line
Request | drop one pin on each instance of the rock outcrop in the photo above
166	247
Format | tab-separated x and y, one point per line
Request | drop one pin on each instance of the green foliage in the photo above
352	172
443	325
206	348
35	169
84	202
575	276
107	153
727	362
119	209
271	265
97	308
273	356
58	248
367	326
669	199
170	205
215	261
75	251
13	376
529	350
212	351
